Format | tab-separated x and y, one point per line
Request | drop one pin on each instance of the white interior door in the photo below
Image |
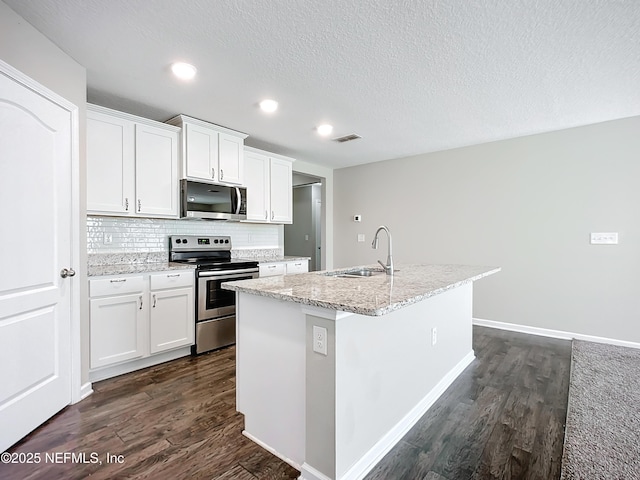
36	154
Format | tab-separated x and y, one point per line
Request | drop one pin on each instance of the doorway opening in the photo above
304	236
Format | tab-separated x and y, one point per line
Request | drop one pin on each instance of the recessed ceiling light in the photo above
183	71
325	130
269	105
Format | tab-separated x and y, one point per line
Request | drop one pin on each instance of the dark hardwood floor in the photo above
502	418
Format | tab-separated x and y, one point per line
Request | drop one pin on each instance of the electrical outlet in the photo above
434	336
604	238
107	238
320	340
361	237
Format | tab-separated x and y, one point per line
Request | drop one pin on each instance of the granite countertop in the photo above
122	269
280	258
376	295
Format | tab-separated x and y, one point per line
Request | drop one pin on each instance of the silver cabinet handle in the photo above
139	205
173	275
266	215
273	214
119	280
67	272
213	173
221	174
140	302
154	300
126	204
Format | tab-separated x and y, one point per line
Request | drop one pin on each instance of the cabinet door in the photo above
272	269
201	152
172	319
299	266
256	180
110	164
230	159
117	329
156	171
281	191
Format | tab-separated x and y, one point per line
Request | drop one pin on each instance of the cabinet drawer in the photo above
270	269
116	285
299	266
172	279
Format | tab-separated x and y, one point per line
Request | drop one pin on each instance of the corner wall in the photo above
526	204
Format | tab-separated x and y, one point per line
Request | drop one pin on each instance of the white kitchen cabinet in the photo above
210	153
270	269
268	178
298	266
117	327
134	317
171	318
132	165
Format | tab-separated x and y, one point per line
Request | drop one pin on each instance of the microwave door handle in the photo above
238	201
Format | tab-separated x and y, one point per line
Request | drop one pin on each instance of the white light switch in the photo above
610	238
361	237
320	340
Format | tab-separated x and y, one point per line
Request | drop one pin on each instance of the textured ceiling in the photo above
408	76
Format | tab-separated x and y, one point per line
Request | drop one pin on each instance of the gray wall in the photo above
27	50
300	236
526	204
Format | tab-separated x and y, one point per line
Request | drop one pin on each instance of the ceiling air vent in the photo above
347	138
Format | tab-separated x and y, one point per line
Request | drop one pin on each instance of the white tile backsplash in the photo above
152	235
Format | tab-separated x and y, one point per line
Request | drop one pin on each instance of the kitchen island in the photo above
334	368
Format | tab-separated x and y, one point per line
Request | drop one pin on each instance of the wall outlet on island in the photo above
320	340
434	336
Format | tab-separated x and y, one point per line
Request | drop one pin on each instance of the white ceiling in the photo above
408	76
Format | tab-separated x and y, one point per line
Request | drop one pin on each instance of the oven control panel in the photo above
199	242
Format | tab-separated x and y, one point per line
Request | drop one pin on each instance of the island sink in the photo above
360	272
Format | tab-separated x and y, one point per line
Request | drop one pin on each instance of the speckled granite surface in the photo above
123	263
280	259
376	295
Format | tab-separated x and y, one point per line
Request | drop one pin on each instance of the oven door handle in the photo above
227	273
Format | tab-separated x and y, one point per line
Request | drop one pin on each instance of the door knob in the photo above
67	272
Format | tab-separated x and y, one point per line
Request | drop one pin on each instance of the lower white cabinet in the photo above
169	307
117	329
271	269
136	316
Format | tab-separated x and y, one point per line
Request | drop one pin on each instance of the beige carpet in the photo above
602	436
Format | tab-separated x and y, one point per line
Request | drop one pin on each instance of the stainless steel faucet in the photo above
388	268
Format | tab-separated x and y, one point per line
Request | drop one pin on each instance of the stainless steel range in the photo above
215	307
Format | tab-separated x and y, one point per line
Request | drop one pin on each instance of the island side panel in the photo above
384	368
270	374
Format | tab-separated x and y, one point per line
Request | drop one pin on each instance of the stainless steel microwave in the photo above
212	202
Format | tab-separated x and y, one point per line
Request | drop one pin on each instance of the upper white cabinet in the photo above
268	178
210	153
132	165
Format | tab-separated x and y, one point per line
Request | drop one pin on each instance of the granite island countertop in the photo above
375	295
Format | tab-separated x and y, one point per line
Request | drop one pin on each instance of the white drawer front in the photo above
270	269
172	279
116	285
299	266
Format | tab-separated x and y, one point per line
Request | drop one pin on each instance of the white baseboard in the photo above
310	473
133	365
272	450
545	332
388	441
86	390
